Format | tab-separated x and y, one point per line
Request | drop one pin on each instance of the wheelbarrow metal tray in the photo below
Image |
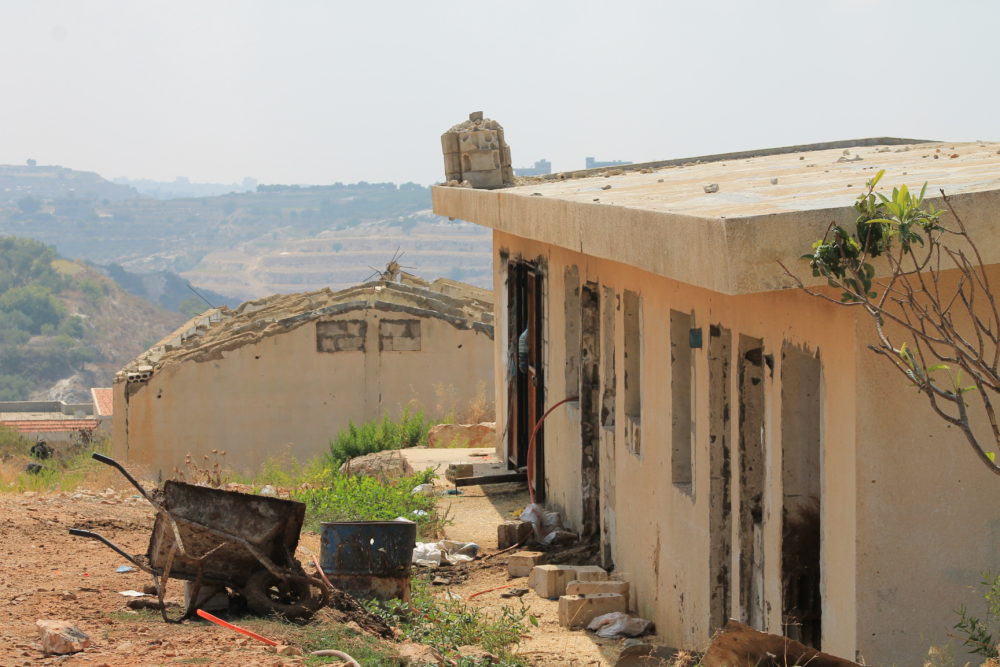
270	524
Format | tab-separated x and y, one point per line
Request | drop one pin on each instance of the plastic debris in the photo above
133	594
424	489
268	491
619	624
543	523
122	569
432	554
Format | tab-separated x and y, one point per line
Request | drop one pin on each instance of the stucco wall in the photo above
928	523
907	514
282	395
661	539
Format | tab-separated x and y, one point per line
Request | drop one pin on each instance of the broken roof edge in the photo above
206	336
732	256
720	157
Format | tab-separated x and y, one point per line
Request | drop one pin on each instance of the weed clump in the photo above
361	498
379	435
447	625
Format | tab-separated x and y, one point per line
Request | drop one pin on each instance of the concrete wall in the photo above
907	518
284	393
927	515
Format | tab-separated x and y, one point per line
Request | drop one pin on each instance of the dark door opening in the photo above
801	607
526	390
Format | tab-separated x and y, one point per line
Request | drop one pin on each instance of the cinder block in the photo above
576	611
458	470
594	587
589	573
549	581
510	533
522	562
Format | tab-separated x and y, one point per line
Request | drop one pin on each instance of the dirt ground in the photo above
47	574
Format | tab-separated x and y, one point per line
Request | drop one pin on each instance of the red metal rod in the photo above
490	590
218	621
531	445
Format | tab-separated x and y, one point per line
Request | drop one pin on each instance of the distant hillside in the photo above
167	290
28	186
66	327
279	238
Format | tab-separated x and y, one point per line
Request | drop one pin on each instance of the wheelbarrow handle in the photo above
107	460
100	538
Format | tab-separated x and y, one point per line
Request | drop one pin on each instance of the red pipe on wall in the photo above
531	445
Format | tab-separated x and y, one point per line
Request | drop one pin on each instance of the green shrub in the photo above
362	498
379	435
447	625
69	468
979	634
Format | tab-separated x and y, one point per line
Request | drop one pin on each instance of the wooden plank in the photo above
492	479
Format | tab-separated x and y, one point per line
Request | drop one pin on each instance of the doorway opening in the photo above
526	387
801	443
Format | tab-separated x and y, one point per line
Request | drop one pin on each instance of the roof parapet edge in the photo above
740	155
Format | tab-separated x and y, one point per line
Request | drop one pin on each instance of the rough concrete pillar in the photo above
476	153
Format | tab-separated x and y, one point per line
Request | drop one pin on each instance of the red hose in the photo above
218	621
531	446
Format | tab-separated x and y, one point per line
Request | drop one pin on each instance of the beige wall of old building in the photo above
876	536
280	395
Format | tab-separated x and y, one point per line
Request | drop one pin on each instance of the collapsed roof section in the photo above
208	335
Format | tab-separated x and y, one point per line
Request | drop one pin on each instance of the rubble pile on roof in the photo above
213	332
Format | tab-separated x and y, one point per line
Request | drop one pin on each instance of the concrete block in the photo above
521	563
458	470
593	587
510	533
549	581
576	611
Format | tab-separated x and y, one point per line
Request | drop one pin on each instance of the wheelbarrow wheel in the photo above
291	597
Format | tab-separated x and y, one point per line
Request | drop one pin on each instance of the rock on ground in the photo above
384	465
61	637
463	435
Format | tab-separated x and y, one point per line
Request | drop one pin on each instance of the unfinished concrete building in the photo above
730	443
284	374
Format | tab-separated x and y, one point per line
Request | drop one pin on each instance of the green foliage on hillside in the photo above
45	334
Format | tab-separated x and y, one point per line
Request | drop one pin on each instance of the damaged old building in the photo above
284	374
730	443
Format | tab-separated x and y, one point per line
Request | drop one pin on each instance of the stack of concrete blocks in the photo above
584	592
475	152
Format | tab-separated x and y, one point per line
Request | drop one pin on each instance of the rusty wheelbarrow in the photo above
225	539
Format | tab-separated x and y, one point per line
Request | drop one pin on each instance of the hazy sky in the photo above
330	90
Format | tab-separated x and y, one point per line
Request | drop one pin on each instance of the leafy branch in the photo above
934	310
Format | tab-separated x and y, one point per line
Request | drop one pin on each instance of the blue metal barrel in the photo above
369	559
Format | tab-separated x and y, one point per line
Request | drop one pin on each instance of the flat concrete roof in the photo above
661	219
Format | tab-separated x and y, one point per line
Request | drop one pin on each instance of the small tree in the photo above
942	334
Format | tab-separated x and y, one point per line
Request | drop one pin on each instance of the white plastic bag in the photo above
619	624
542	522
427	554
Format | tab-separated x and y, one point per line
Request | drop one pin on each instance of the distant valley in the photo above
244	244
